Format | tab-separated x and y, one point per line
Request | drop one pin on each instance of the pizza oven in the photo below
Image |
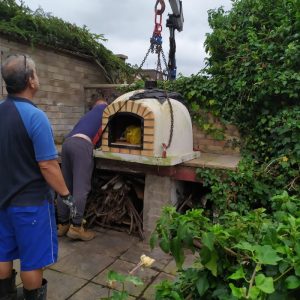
154	131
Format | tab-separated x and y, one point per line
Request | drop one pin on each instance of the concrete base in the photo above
159	192
148	160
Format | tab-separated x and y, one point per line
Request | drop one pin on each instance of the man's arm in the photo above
51	172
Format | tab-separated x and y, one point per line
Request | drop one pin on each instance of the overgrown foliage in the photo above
248	236
40	28
253	256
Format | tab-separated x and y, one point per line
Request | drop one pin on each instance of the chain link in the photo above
156	47
138	71
172	120
164	58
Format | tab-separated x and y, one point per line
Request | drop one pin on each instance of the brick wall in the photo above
62	80
207	143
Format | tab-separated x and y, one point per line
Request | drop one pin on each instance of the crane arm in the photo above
174	22
176	6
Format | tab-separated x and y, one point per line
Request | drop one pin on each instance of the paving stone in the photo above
149	293
83	264
123	267
111	243
61	286
90	291
93	291
65	247
133	255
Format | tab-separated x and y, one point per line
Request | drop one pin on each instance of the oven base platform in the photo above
148	160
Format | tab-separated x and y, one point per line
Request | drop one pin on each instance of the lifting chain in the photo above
172	120
156	47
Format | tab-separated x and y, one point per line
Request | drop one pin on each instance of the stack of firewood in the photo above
116	201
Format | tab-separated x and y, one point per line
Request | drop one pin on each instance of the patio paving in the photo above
80	273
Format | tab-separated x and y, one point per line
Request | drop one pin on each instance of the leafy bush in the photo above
253	256
254	57
247	238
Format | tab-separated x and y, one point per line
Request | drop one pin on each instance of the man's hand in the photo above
68	200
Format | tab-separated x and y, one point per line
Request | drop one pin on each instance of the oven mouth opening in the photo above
126	130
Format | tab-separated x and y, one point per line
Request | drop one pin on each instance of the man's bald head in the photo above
16	71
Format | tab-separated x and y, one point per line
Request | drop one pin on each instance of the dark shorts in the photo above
29	233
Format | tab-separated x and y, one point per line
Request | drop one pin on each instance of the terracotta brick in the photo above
124	151
115	150
105	135
149	116
146	112
123	106
116	106
149	123
148	146
149	131
104	121
110	109
106	112
105	142
105	148
141	110
135	108
129	105
220	143
149	138
135	152
147	152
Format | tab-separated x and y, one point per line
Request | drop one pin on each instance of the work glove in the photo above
69	201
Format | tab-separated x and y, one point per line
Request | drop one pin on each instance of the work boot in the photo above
79	233
37	294
8	290
62	229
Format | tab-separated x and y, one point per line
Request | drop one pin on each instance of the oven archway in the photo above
122	125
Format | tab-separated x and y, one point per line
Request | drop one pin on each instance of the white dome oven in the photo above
143	128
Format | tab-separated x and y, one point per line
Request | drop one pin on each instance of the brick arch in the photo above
140	110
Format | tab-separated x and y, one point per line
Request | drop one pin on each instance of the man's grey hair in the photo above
16	70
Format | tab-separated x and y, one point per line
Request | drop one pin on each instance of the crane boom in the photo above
174	22
176	6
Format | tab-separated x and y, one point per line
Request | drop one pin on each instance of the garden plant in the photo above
246	240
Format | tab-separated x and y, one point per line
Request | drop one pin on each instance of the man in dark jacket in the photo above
28	168
77	168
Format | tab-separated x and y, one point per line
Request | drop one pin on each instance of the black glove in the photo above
68	200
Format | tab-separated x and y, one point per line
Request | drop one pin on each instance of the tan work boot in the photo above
79	233
62	229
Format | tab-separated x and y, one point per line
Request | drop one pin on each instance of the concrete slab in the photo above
133	255
81	272
91	291
215	161
61	286
111	243
123	267
83	264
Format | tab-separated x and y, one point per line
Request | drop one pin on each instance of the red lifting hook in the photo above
162	7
